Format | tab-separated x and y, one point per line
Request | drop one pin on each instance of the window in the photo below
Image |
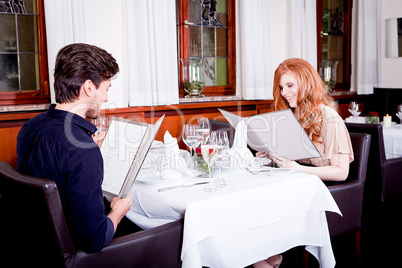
206	45
334	39
23	63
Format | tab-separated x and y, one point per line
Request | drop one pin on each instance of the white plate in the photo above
157	179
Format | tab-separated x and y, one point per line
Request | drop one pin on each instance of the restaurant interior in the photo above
185	59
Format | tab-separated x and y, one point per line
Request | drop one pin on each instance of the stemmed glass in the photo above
222	151
399	113
203	128
102	124
208	151
192	138
354	110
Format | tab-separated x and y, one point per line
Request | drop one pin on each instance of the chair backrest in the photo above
361	148
377	158
32	228
349	194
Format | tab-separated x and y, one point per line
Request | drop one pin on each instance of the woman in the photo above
298	86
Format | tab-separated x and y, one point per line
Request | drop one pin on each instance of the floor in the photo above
381	243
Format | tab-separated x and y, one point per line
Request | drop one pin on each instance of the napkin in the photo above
173	165
240	155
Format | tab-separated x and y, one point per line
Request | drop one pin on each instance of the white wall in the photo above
390	68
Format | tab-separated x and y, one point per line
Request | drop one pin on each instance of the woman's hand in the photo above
261	154
282	161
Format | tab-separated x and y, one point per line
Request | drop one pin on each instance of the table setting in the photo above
392	131
258	211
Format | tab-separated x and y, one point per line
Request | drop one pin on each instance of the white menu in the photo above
279	132
124	149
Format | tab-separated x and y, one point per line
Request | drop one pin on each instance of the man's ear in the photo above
88	88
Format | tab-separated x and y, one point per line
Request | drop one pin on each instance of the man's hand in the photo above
98	138
119	206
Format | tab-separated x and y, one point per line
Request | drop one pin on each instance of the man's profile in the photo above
58	144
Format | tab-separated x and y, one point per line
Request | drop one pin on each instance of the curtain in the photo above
152	60
64	20
253	70
303	30
365	50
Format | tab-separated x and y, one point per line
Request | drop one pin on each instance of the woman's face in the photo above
289	88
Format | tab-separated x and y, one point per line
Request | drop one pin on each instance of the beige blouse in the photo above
335	139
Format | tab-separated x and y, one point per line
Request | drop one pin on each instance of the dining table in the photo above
392	137
259	213
393	141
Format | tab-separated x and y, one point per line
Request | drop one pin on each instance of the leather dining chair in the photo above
33	232
384	176
348	194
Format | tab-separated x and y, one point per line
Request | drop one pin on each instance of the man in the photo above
58	145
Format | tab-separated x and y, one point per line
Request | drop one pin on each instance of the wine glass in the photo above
208	151
192	138
203	128
354	110
102	124
222	151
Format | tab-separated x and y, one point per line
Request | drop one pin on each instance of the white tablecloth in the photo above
254	217
393	141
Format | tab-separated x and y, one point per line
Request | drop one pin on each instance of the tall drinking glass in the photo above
222	152
192	138
208	151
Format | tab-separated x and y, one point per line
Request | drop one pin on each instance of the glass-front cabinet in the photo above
333	40
206	45
23	64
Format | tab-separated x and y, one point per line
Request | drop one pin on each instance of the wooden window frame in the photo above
229	89
34	96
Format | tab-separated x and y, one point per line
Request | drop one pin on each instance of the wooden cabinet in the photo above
334	39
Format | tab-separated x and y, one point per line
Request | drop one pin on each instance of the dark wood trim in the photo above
44	71
320	28
183	44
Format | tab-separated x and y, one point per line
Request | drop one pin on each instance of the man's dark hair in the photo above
77	63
